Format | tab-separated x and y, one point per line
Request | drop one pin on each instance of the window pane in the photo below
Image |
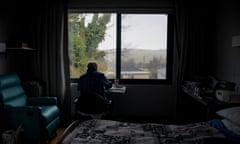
92	37
143	46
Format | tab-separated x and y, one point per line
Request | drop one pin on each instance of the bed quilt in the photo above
116	132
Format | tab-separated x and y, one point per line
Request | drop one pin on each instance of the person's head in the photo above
92	66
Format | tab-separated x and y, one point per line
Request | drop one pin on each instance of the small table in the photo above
117	90
210	106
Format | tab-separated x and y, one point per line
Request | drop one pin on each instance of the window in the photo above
132	47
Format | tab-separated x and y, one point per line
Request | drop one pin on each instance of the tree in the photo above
84	39
153	65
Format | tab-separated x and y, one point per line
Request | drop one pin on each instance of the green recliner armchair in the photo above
38	116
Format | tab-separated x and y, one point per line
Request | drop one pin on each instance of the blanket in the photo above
116	132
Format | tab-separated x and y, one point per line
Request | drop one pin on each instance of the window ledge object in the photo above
21	48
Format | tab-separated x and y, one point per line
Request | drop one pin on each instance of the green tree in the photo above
84	39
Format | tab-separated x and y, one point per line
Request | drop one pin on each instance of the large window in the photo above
131	47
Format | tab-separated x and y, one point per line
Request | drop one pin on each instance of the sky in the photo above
140	32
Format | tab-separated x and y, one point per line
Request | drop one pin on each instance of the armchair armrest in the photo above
38	101
18	112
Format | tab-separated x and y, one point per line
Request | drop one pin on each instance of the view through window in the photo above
127	46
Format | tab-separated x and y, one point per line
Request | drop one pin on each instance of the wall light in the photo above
236	41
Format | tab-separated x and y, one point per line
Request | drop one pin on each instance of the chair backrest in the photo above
91	103
11	91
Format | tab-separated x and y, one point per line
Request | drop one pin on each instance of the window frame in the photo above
170	38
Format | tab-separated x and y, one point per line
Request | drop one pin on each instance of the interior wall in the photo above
15	27
3	37
147	102
227	26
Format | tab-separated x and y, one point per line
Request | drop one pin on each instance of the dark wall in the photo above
3	37
16	26
227	25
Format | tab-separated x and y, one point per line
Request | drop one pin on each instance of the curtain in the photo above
192	41
51	42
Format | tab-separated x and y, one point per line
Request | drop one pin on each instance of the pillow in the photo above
231	126
232	114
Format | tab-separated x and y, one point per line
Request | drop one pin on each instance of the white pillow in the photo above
231	126
232	114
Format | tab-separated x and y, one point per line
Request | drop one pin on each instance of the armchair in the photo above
38	116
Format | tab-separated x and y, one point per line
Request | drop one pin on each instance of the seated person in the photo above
94	81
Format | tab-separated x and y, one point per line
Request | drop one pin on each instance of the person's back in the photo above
93	81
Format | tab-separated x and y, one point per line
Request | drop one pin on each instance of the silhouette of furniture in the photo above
38	116
92	105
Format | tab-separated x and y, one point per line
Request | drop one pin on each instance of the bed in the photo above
100	131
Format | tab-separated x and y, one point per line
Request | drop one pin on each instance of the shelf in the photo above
21	48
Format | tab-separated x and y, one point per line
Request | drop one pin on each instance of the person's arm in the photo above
107	83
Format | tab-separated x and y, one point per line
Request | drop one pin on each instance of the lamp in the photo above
236	41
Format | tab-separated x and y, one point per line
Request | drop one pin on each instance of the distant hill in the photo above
143	56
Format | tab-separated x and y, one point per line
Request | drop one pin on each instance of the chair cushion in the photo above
49	113
13	96
9	80
11	91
